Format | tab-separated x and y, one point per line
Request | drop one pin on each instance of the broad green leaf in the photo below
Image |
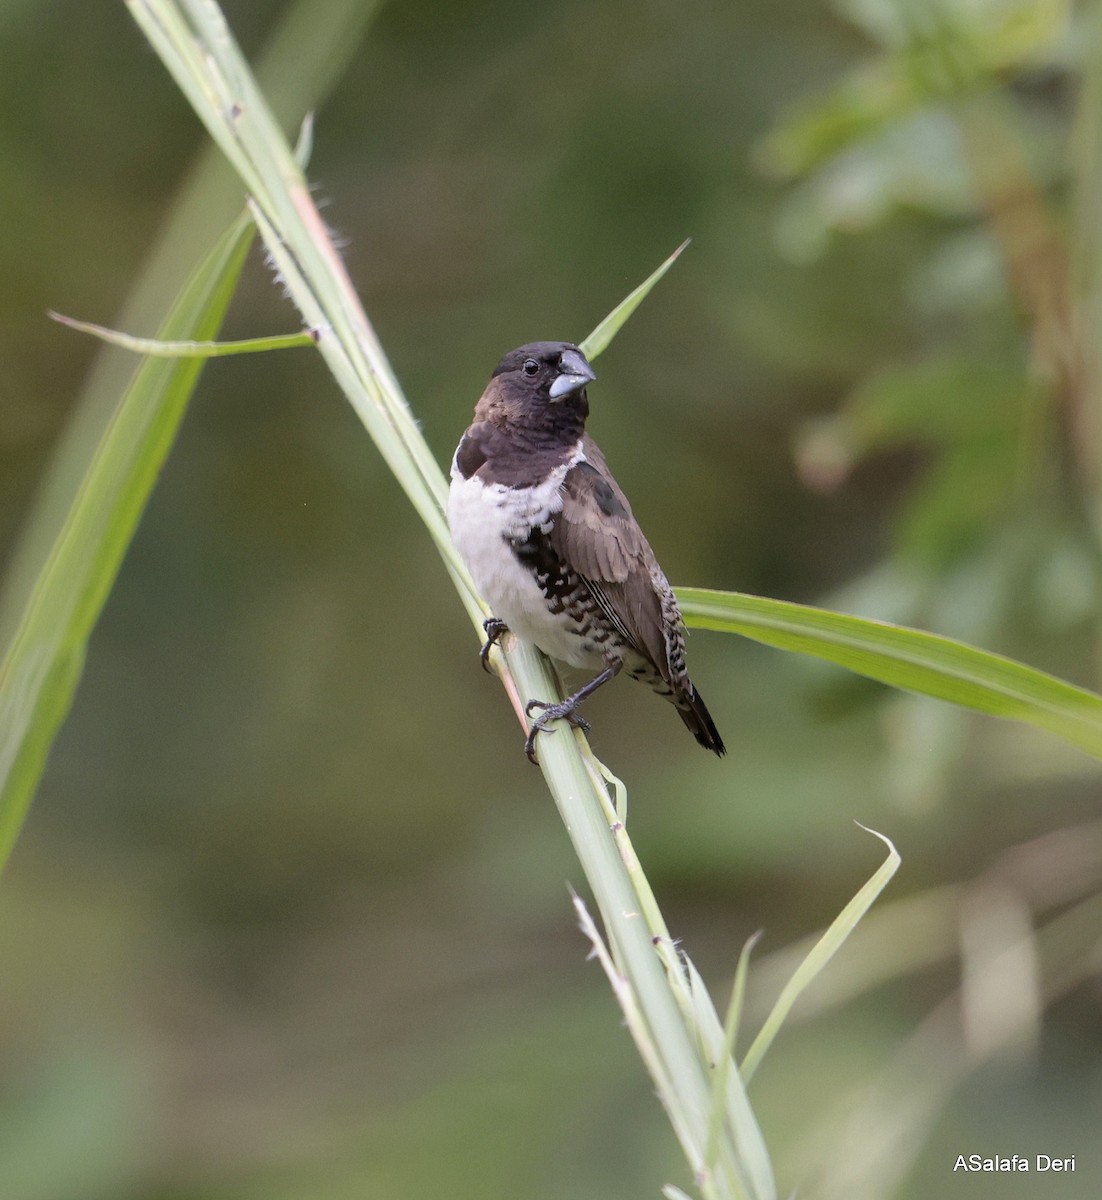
599	339
41	667
907	658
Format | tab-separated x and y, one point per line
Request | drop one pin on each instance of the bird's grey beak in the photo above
574	374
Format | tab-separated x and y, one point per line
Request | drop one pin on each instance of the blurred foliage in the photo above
279	925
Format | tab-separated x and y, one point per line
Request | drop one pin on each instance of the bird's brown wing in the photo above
598	536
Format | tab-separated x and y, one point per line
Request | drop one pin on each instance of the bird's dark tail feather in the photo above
698	720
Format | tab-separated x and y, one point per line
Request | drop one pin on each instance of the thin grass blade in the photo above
733	1136
155	348
821	953
723	1073
599	339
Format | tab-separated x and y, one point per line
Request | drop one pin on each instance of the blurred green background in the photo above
289	917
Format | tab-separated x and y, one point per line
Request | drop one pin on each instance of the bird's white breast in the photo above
484	519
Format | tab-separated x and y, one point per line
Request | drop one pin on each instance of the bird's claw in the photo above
495	630
565	710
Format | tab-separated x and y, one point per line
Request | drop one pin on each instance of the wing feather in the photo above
598	535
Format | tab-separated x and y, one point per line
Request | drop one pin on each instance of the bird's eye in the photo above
531	367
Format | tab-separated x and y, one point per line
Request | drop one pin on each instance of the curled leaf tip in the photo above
883	837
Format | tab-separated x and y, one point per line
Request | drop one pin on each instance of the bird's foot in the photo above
495	631
565	710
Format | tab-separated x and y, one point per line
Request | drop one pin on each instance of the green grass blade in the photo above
734	1147
42	665
821	953
678	1071
723	1076
599	339
156	348
634	1018
907	658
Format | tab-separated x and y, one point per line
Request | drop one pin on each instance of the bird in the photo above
553	547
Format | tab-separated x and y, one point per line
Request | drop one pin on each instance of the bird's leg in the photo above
565	709
495	630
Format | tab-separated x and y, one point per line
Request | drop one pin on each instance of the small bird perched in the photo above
552	545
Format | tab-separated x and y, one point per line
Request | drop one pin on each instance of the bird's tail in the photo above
698	720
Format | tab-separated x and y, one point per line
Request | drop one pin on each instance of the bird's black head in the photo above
540	386
551	370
